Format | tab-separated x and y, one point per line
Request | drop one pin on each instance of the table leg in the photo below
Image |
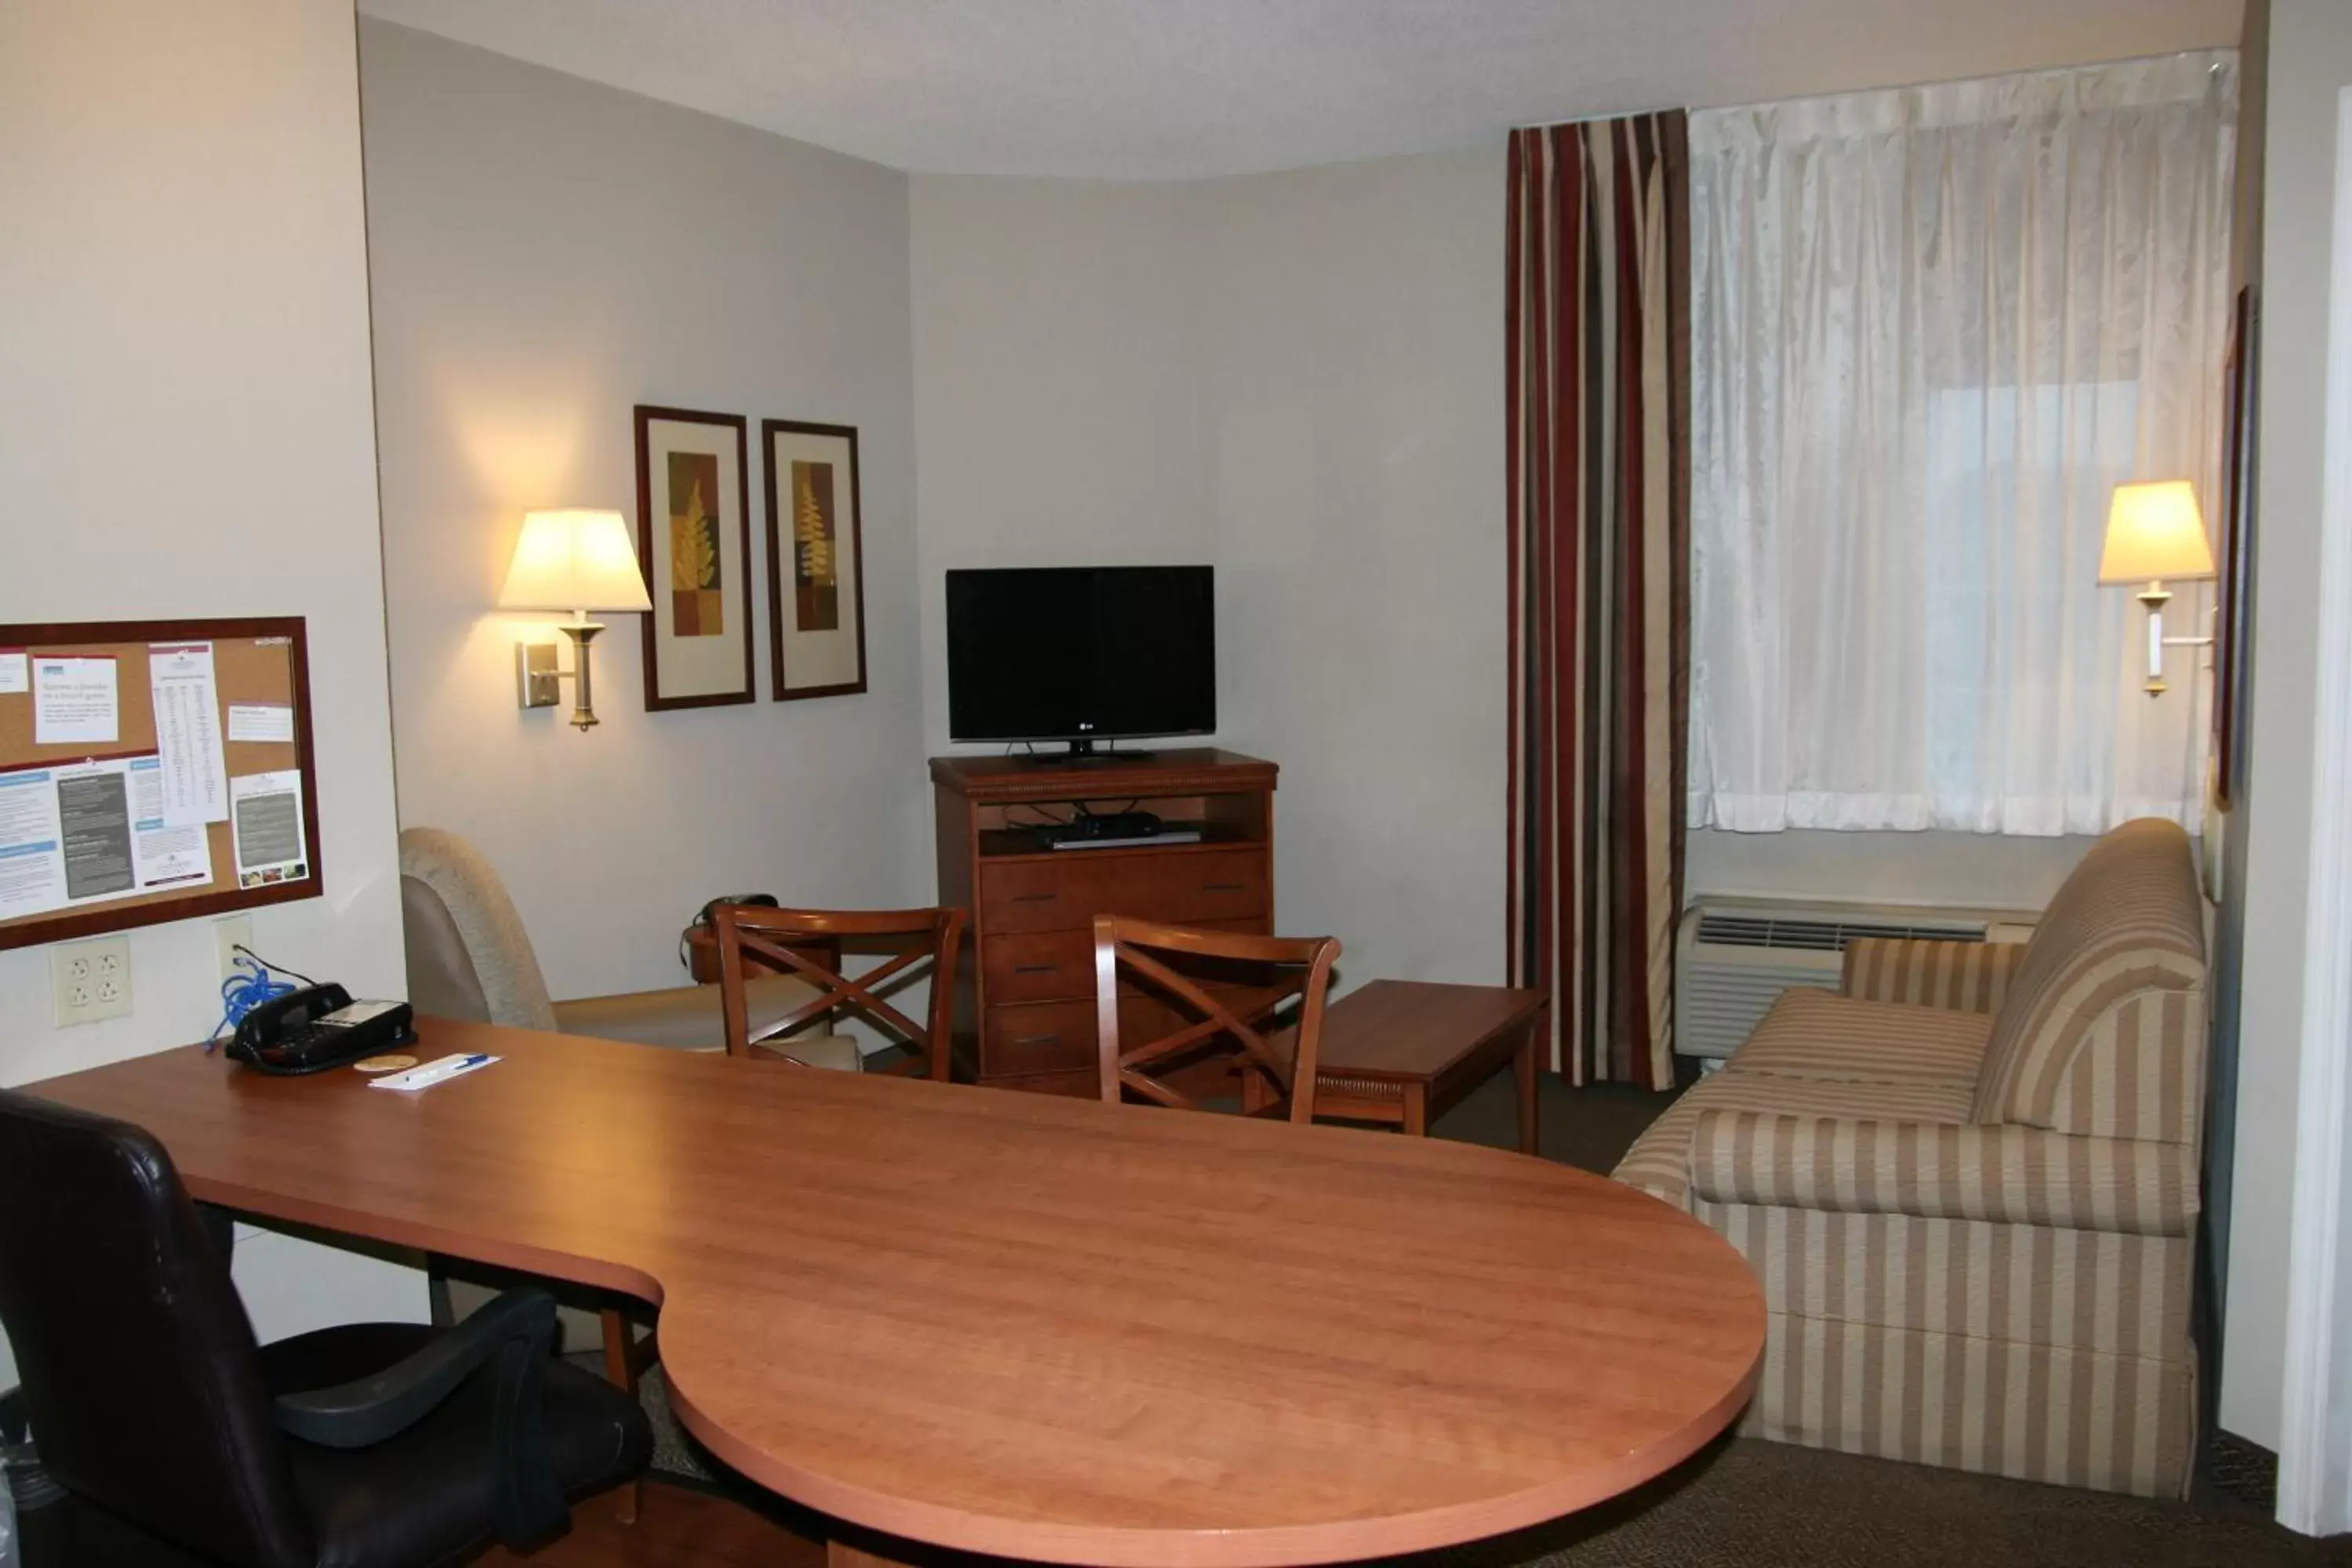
1538	1030
1416	1110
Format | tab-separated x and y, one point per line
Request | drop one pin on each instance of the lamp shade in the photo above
574	561
2155	533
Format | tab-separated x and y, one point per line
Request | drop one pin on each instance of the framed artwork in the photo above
816	561
2235	549
694	541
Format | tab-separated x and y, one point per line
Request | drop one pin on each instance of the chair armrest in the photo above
2005	1174
517	1331
1966	976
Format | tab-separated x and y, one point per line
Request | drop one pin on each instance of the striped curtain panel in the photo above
1598	356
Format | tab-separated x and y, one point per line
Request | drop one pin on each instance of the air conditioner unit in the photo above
1734	956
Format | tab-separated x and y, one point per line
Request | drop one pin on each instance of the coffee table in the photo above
1407	1050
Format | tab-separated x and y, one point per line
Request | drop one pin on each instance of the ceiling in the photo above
1183	88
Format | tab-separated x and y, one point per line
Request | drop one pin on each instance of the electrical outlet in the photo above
230	933
91	980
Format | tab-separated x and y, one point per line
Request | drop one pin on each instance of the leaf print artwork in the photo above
697	599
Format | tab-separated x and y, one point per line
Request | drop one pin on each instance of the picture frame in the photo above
2234	549
816	559
693	516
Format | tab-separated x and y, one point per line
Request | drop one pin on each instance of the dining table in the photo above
958	1319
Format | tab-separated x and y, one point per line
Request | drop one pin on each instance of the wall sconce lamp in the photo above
2156	534
579	562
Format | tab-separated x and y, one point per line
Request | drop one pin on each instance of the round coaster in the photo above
383	1064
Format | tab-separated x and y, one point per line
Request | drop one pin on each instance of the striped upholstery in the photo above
2013	1175
2126	927
1970	976
2037	1413
1975	1222
2078	1290
1660	1159
1819	1035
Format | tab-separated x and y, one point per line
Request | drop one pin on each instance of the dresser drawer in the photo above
1180	888
1059	966
1040	1036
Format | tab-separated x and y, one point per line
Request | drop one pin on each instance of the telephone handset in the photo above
316	1028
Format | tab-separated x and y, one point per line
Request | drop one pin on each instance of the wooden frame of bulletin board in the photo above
179	814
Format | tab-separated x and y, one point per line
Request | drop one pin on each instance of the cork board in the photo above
116	812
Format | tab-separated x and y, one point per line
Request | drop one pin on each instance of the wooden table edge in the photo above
933	1526
546	1262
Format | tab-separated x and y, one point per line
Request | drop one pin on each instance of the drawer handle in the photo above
1035	897
1035	968
1220	887
1036	1040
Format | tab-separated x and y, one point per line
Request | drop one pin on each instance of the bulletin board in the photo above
152	771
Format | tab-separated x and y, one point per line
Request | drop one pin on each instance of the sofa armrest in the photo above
1967	977
2006	1174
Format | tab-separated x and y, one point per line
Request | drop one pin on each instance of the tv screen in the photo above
1077	652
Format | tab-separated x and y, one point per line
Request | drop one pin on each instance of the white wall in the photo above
2310	60
184	430
1296	378
546	253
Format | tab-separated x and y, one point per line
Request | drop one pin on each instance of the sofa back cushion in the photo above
2103	1030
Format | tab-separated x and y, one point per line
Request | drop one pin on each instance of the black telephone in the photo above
316	1028
702	921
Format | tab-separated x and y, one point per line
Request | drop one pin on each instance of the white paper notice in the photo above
75	702
95	831
268	814
164	854
16	671
261	721
187	732
32	850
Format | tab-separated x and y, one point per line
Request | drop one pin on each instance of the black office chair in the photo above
369	1446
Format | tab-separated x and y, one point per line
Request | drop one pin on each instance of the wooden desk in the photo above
1404	1050
1025	1325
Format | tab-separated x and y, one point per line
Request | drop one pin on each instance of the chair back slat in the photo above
1278	1074
749	936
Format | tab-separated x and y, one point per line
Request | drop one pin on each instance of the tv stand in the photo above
1024	1007
1083	754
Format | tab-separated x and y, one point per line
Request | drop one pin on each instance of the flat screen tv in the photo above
1081	654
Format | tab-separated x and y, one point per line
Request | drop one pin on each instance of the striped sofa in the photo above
1967	1180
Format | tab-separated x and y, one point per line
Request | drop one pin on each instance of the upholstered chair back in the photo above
468	956
2102	1031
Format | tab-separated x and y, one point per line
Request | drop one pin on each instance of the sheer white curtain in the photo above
1931	329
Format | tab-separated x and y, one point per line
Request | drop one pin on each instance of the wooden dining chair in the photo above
1231	987
809	943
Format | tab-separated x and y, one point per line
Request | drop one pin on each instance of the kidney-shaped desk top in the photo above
1034	1327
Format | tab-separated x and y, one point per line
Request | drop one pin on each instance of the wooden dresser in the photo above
1024	1008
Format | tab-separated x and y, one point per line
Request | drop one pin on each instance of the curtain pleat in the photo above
1597	355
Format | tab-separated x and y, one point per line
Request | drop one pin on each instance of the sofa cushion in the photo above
2125	929
1659	1161
1819	1035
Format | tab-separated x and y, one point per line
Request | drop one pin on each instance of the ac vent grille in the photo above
1813	935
